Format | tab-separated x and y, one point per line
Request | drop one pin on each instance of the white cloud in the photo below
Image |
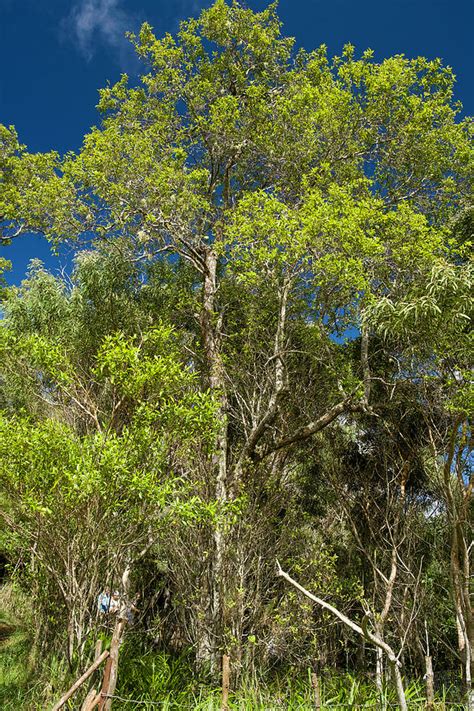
93	21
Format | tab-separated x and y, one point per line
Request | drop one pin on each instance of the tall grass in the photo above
156	677
161	681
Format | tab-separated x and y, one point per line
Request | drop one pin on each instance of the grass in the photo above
16	681
161	681
153	677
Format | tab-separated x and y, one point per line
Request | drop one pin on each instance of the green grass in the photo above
14	669
156	678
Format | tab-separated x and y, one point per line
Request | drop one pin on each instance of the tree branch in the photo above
311	428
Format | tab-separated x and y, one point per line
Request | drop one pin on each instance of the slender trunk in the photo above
429	682
429	676
397	677
460	574
225	682
203	627
214	380
379	675
379	630
70	639
316	689
111	672
469	674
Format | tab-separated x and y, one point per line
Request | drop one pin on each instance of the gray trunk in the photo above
397	677
214	380
429	682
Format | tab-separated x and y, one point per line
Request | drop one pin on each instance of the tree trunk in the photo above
70	640
316	689
225	682
214	380
203	626
397	677
460	576
429	682
111	671
379	675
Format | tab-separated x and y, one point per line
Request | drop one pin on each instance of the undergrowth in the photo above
161	681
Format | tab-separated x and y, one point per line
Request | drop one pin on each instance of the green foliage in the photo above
269	233
93	458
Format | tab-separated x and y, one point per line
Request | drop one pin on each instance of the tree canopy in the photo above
265	339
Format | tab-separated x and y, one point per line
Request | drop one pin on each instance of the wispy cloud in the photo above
97	21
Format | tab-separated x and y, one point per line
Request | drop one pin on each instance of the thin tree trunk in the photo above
379	675
108	688
214	380
429	677
397	676
429	682
225	682
203	625
316	689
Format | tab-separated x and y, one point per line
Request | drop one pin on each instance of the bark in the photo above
110	675
381	622
214	380
316	690
397	676
225	682
310	429
204	647
430	698
89	700
379	674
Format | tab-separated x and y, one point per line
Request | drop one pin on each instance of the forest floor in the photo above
150	681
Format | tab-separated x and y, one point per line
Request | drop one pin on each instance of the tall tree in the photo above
297	187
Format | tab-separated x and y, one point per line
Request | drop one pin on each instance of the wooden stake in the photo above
87	705
225	682
110	674
80	681
105	685
430	696
316	690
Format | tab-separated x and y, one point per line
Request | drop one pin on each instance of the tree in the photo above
430	328
90	463
302	192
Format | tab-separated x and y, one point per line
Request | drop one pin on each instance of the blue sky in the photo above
55	54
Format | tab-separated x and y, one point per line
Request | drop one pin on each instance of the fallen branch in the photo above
81	680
